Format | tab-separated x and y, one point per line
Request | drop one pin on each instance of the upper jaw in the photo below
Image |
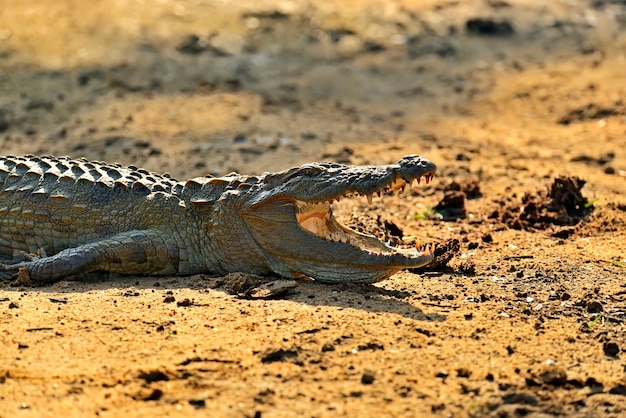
319	182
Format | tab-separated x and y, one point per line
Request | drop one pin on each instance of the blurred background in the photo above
212	86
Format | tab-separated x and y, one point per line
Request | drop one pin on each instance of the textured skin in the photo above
61	217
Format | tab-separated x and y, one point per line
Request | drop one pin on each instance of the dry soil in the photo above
520	103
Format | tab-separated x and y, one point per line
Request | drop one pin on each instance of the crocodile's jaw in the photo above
289	216
300	238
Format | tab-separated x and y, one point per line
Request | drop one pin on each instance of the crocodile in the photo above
63	217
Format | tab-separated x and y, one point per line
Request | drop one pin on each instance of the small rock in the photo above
425	332
278	355
595	307
489	27
154	396
368	378
520	398
328	347
372	345
554	376
618	390
197	403
610	349
153	376
592	383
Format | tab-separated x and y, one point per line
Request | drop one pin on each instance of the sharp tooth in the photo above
419	179
369	199
402	189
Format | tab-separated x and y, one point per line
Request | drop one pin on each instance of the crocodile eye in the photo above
309	170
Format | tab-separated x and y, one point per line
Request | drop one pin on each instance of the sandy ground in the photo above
526	319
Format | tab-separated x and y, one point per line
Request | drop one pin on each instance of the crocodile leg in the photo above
133	252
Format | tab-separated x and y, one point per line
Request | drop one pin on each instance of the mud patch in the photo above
555	209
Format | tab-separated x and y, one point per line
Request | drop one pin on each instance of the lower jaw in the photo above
356	275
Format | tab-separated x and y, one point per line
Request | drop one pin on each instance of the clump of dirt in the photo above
452	206
561	205
593	111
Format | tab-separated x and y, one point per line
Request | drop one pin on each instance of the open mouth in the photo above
317	218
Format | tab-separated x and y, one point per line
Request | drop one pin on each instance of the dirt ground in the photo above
522	104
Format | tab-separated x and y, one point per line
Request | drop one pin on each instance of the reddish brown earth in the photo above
518	102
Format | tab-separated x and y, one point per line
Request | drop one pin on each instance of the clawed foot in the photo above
16	273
